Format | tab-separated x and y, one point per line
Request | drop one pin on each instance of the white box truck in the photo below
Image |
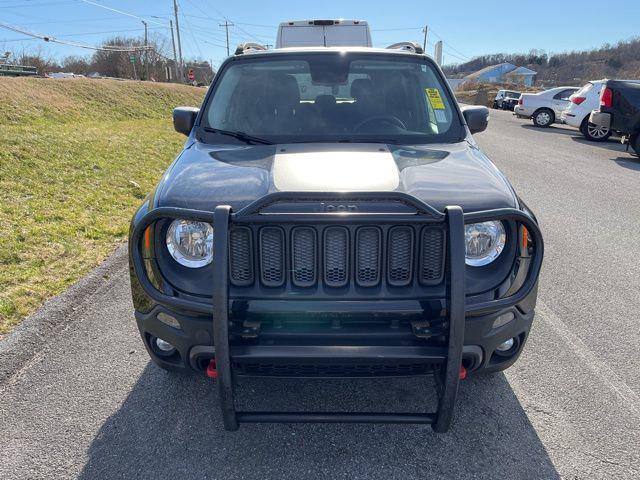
328	33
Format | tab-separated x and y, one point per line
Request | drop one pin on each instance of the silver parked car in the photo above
544	108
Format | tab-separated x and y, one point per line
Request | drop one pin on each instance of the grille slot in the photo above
240	256
336	256
368	250
400	256
272	256
303	256
431	256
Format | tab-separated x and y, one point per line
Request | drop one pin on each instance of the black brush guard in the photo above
447	380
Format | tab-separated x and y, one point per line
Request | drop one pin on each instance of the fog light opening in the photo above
508	347
162	347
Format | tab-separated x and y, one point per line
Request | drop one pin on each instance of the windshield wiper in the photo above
245	137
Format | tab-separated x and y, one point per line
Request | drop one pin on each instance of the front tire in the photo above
543	118
594	133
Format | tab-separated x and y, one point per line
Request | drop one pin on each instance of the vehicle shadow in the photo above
631	162
613	143
557	129
170	427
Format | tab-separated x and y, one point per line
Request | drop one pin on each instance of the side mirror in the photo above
184	118
477	118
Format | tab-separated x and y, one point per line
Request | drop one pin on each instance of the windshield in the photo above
332	97
513	95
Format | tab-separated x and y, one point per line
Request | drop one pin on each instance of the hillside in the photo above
570	68
77	158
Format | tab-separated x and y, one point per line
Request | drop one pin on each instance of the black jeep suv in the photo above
331	215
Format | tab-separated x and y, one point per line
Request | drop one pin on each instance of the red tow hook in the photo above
212	371
463	372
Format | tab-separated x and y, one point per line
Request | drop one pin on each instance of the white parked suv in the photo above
544	108
579	109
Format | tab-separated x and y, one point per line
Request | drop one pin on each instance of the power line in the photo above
451	47
76	20
66	35
121	12
49	38
36	4
237	26
395	29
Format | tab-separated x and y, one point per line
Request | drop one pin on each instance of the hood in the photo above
205	176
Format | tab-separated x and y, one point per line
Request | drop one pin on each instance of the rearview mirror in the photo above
184	118
477	118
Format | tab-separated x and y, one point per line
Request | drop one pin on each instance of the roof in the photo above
522	71
330	22
488	69
282	51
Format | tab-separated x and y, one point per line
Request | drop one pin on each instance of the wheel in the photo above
495	105
594	132
543	117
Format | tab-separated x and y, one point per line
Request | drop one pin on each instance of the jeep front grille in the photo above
336	256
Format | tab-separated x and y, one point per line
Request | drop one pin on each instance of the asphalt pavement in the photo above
80	399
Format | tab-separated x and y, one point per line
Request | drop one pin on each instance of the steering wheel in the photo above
389	119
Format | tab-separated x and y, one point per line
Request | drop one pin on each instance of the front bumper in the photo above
192	335
422	340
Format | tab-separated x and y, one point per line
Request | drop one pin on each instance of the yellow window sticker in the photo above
433	94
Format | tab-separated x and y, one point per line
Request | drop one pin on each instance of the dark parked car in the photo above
331	215
620	110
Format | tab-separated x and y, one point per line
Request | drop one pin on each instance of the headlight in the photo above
484	242
190	243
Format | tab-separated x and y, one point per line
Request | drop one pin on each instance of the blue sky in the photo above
468	28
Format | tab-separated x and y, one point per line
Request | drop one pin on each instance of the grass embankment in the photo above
76	159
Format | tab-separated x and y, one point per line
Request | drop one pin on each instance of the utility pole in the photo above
175	11
175	58
424	44
146	51
226	25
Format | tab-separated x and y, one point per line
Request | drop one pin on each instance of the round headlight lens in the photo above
484	242
190	243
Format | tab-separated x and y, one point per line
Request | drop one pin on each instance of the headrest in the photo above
283	89
325	101
361	88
